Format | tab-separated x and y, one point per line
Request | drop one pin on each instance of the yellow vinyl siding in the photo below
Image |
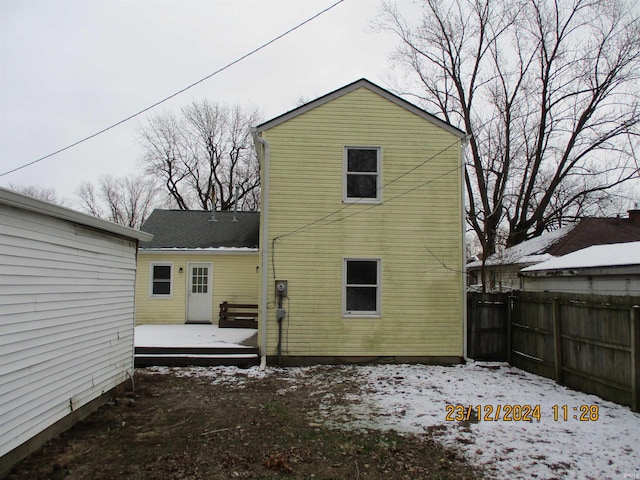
421	308
235	280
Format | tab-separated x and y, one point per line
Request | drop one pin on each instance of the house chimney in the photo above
213	203
634	215
235	206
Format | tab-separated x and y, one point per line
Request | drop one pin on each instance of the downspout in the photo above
465	333
264	182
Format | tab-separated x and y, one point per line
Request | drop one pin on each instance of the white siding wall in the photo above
596	284
66	319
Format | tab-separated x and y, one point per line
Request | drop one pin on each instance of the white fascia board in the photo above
362	83
17	200
199	251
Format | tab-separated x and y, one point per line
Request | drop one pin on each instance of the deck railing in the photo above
238	315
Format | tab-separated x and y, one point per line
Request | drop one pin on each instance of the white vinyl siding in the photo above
66	319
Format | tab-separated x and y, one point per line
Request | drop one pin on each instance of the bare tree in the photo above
549	92
41	193
127	201
204	154
90	200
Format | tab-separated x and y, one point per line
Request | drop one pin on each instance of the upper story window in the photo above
362	174
161	280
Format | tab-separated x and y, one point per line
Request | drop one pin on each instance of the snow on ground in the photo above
190	336
414	398
417	399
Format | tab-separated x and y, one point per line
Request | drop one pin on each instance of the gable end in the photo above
362	83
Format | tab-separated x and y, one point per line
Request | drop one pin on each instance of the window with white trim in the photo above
161	279
362	175
361	290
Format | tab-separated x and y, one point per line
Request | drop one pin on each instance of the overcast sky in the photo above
72	68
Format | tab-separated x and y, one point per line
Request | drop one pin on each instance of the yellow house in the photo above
196	261
361	241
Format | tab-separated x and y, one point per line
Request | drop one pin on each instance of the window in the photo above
199	279
361	294
161	280
362	174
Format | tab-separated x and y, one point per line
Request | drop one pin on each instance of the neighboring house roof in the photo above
599	231
611	255
530	251
362	83
195	229
573	237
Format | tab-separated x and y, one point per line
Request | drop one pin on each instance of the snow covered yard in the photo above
415	398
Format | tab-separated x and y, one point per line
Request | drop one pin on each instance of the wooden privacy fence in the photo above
487	318
589	343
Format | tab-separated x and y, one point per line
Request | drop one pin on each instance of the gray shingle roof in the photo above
194	229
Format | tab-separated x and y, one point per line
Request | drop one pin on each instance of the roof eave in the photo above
198	251
17	200
362	83
622	269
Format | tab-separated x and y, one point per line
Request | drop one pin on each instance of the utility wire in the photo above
316	223
130	117
406	192
349	205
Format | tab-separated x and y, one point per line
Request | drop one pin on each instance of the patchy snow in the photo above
616	254
414	398
190	336
532	250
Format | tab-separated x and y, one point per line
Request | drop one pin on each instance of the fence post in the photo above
509	302
635	358
557	340
471	315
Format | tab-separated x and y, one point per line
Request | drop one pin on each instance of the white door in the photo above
199	293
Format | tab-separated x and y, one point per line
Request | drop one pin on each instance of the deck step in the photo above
231	349
196	356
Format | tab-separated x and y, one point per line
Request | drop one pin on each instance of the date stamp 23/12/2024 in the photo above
520	413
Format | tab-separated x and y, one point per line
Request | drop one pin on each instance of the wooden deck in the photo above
201	357
194	345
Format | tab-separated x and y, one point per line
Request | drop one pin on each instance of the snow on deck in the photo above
189	336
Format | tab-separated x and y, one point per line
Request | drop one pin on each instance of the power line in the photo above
130	117
349	205
315	223
400	195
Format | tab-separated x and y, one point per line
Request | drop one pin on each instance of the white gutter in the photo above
465	333
264	182
200	251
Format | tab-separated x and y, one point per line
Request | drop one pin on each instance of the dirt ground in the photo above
265	427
